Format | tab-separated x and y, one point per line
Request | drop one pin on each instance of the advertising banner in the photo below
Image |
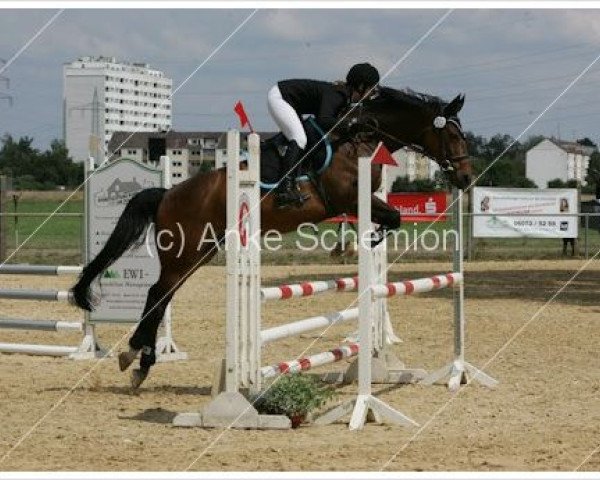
413	207
524	212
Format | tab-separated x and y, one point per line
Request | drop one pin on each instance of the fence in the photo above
587	243
60	240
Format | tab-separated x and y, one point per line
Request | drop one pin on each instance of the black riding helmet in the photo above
362	74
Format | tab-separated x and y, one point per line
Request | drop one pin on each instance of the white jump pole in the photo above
365	401
312	323
31	294
50	270
459	371
44	325
28	349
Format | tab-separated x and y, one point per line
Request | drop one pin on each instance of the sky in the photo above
511	64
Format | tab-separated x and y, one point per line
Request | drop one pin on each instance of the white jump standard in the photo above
365	401
459	371
230	408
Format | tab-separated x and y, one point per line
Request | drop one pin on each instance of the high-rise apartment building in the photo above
102	96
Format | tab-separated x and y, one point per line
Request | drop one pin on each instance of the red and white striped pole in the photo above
312	361
306	289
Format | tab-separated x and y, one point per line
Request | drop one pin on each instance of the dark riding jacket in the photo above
324	100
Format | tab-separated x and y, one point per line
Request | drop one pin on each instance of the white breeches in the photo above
286	117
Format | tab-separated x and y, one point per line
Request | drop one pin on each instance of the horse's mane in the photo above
410	97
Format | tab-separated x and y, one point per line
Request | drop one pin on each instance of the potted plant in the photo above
293	395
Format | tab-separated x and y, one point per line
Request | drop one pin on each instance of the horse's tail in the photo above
139	212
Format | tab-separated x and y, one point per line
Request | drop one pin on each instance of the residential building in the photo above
103	96
551	159
411	165
189	151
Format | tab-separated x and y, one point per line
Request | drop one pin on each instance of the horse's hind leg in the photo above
144	337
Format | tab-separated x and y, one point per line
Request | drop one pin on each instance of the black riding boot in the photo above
287	192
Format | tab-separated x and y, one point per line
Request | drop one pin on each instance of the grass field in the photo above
59	240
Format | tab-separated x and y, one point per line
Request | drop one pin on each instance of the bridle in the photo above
447	164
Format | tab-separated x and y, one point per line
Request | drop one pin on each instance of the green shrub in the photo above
293	395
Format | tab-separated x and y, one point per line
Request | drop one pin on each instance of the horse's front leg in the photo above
383	214
386	216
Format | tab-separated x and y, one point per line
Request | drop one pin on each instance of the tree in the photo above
586	142
593	174
556	183
402	184
532	141
32	169
206	167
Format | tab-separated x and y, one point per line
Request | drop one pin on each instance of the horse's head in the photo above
419	122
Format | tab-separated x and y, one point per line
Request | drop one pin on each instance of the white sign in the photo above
524	212
125	284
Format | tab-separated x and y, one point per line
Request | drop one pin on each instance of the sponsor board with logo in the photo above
413	207
124	285
524	212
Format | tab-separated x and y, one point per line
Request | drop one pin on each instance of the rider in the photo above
290	99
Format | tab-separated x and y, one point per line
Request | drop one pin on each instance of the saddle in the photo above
317	155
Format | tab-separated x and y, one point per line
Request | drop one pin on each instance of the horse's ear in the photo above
455	106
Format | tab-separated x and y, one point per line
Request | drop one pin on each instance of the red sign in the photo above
419	206
413	207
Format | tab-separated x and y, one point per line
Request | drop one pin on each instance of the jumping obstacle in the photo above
242	368
245	339
459	371
97	196
39	325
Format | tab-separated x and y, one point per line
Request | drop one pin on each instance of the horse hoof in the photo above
137	378
126	359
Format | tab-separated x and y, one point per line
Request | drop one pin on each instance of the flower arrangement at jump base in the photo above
295	396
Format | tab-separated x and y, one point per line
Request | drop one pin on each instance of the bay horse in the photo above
397	118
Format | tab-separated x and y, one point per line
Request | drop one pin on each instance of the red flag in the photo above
241	113
382	156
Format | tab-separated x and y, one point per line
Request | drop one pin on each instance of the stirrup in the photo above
289	198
